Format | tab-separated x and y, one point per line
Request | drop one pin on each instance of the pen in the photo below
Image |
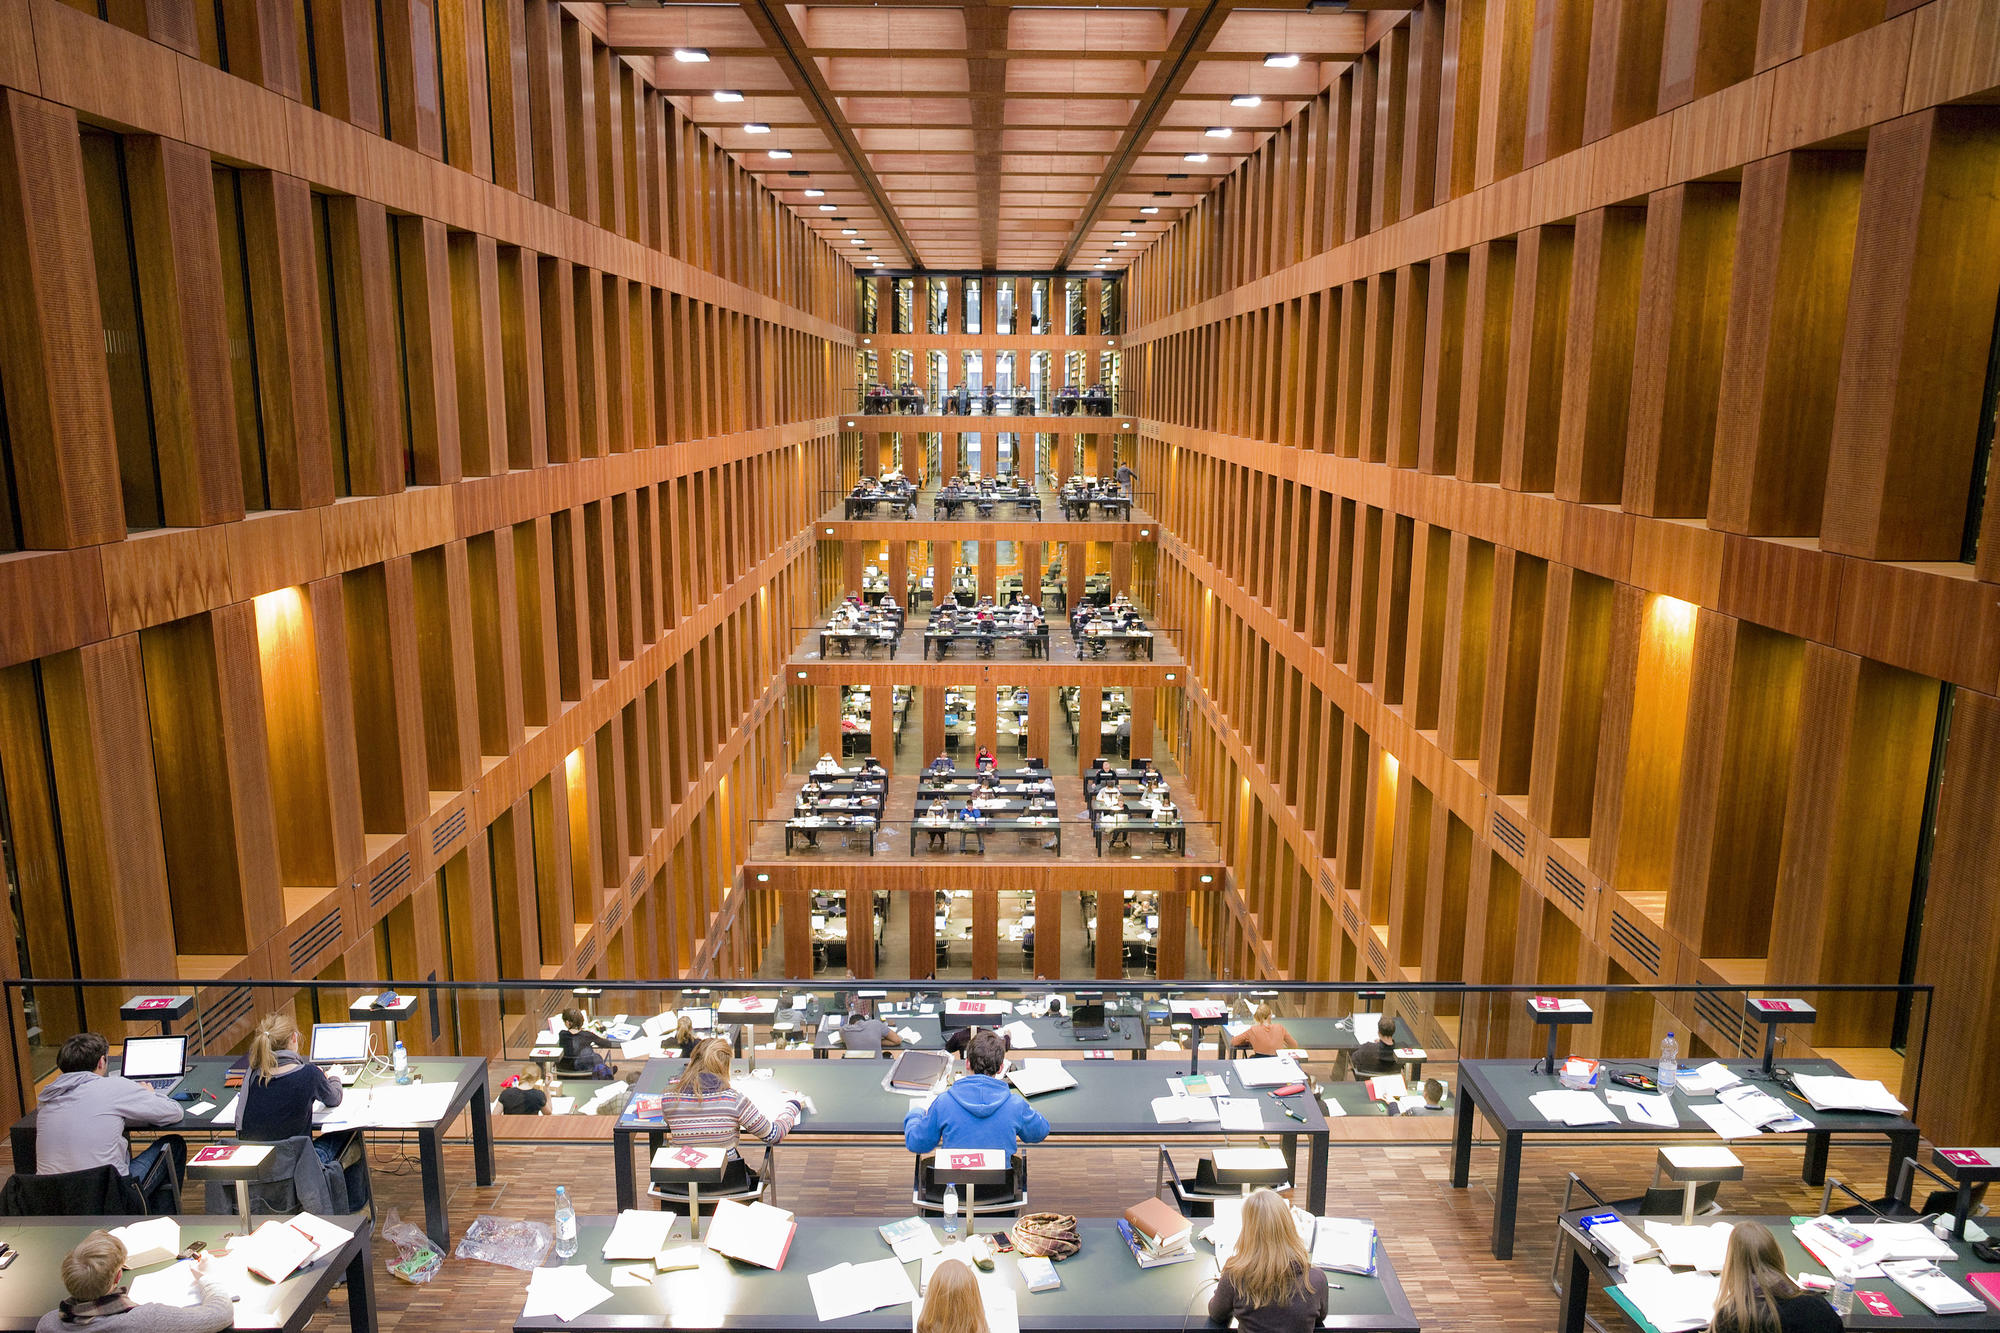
1290	1112
1335	1286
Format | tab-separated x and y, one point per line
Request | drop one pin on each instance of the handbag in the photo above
1051	1236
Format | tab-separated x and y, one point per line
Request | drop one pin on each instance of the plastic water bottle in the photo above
1843	1291
565	1224
401	1063
951	1212
1670	1063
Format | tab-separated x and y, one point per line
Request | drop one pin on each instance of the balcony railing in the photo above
1081	401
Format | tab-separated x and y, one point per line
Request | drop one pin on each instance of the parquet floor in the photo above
1436	1236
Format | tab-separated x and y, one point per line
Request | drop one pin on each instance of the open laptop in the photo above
340	1049
1086	1022
158	1062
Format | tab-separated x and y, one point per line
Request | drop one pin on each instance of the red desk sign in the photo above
215	1154
1965	1157
157	1002
980	1160
1878	1304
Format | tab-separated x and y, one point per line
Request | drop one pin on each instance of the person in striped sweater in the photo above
704	1109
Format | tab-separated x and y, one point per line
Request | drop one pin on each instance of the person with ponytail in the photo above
1755	1296
280	1088
1269	1284
952	1303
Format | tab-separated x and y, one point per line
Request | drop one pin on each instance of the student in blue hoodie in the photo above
978	1111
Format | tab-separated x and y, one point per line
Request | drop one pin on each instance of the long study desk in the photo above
33	1285
1051	1034
1102	1289
1587	1268
205	1085
1112	1098
1500	1089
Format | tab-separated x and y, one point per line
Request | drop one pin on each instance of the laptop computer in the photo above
1086	1021
158	1062
340	1049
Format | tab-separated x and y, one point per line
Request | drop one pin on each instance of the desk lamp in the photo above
1554	1013
1772	1014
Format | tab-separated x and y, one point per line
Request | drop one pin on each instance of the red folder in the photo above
1987	1285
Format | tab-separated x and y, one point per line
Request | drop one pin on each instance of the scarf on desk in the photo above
112	1302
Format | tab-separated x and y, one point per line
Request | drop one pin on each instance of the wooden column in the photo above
933	736
826	719
1031	572
795	927
897	571
1038	721
986	932
986	723
1121	568
1142	721
1110	958
1074	558
1170	941
1090	738
861	927
1048	931
923	932
989	568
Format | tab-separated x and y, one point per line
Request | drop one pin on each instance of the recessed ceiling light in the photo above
1119	245
850	231
1284	61
828	208
728	95
756	127
1246	99
781	153
1150	208
818	194
1219	131
857	241
1195	157
1128	233
691	55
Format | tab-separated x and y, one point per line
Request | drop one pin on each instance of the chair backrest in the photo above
1011	1195
293	1179
99	1191
1665	1200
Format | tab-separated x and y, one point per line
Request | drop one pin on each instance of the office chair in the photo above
1657	1201
927	1195
1196	1197
98	1191
1897	1205
739	1182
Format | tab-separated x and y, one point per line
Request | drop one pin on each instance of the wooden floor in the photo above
1436	1236
1006	848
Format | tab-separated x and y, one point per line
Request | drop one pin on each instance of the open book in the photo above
1033	1077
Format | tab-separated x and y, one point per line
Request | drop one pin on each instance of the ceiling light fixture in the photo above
857	241
756	127
1194	157
781	153
1286	60
1246	99
850	231
728	95
818	194
1150	208
691	55
1128	233
1119	245
1218	131
827	208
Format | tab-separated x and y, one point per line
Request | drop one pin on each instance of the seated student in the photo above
1378	1056
1269	1284
952	1303
986	762
702	1108
942	766
828	765
279	1090
525	1094
84	1113
684	1037
1265	1036
96	1301
580	1046
1756	1296
979	1110
871	767
865	1032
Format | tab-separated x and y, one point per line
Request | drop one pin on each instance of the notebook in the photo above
1034	1077
755	1233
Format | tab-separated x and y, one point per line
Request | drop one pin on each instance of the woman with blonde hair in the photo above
280	1089
684	1037
1266	1036
952	1303
1755	1296
702	1108
1269	1284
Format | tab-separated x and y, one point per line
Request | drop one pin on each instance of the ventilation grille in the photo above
388	879
1350	917
1564	883
614	914
223	1013
315	939
1636	942
1508	836
1376	958
1712	1009
586	955
448	831
1326	882
638	878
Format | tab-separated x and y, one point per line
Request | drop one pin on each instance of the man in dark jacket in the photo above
978	1111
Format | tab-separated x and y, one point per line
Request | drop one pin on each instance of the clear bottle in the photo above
565	1224
1842	1295
951	1212
1670	1063
400	1060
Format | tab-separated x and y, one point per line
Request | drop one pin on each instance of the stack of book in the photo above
1157	1233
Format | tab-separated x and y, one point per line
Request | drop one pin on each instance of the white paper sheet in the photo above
172	1285
1724	1121
1831	1092
1239	1113
639	1235
1670	1301
1640	1109
1697	1247
566	1292
1705	1079
1267	1072
1183	1110
1367	1027
1571	1107
1019	1035
1039	1076
851	1289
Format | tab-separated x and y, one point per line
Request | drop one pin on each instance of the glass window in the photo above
1003	307
973	295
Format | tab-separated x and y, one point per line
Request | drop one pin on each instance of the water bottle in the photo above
400	1061
1670	1063
565	1224
1843	1291
951	1212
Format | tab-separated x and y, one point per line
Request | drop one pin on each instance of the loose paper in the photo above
1724	1121
1239	1113
567	1293
1183	1110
